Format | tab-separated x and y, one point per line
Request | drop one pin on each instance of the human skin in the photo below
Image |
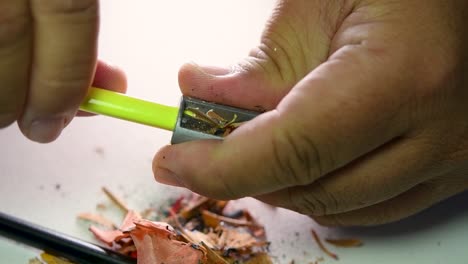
48	52
366	117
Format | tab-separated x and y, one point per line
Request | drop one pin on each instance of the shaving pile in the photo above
195	230
190	230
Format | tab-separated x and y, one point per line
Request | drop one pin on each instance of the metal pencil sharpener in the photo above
198	119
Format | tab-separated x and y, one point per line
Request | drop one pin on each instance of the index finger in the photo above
64	57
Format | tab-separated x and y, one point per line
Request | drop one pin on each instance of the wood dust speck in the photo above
99	151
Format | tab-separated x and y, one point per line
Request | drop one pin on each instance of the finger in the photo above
65	40
15	39
283	57
409	203
108	77
378	176
248	86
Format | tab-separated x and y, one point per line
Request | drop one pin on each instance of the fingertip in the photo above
197	81
44	126
160	156
45	130
192	165
182	159
240	86
162	167
110	77
206	70
186	78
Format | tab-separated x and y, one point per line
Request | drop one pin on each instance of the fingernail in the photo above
167	177
46	130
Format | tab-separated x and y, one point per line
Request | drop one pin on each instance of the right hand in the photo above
367	118
47	62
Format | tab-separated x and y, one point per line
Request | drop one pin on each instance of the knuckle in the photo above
14	26
280	62
297	158
316	201
309	203
68	89
68	7
274	55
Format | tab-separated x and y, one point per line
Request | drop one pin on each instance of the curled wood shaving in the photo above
197	237
114	198
238	239
188	211
106	236
156	242
345	242
214	220
322	246
212	256
262	258
129	220
97	219
181	229
220	121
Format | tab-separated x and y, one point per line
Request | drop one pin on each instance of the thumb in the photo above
286	53
247	85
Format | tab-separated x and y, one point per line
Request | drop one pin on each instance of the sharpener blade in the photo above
198	119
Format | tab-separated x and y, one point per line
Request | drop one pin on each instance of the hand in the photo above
367	114
47	62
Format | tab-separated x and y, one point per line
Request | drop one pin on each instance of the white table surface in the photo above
150	39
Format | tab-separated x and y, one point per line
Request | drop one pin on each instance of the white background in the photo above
150	40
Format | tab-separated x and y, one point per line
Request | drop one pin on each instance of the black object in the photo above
58	244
